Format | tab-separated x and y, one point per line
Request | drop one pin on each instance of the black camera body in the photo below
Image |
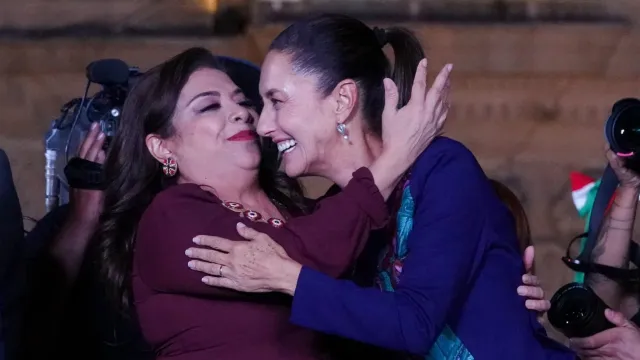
576	310
622	131
63	170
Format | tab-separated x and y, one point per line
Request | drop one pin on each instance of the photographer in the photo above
623	341
11	241
56	249
65	312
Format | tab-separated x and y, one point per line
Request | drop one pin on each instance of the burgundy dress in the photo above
184	319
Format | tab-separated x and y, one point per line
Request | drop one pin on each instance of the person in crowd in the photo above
66	310
453	262
612	248
11	244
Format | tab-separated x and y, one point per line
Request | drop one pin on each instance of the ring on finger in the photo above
220	270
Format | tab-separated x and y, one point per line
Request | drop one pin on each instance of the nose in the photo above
242	115
266	122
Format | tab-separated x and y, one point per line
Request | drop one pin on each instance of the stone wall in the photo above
529	100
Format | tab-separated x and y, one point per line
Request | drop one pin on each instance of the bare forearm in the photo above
612	248
387	173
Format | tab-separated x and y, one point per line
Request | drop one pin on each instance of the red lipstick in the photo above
244	135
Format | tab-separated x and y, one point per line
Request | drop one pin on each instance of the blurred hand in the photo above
531	288
619	343
86	205
627	177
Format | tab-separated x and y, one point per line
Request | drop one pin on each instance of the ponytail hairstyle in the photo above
339	47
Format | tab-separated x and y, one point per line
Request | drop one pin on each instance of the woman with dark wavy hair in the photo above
187	161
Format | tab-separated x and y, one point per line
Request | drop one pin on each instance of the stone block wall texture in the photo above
529	100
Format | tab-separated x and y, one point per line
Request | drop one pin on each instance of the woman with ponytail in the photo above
444	285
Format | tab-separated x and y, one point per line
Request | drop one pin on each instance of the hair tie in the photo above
381	36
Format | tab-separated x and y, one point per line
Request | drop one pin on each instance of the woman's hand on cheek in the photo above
256	265
531	288
406	132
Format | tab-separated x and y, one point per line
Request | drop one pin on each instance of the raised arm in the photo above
167	229
443	255
327	240
612	247
332	237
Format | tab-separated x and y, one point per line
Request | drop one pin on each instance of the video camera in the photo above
576	310
69	130
63	139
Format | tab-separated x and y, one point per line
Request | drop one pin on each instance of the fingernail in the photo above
94	125
188	252
521	291
100	136
449	67
241	225
196	240
191	264
423	62
205	280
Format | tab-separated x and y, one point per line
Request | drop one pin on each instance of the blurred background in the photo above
533	83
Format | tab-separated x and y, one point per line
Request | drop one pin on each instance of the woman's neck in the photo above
241	186
362	149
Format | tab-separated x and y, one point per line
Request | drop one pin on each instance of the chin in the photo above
294	170
249	161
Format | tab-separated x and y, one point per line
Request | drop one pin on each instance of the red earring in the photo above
169	167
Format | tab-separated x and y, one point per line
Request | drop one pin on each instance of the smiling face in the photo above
299	119
214	130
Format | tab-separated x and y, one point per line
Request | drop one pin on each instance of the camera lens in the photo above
623	127
577	311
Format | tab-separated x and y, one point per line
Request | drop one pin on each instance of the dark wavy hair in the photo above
134	177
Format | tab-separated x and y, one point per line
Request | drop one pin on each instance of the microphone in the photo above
108	72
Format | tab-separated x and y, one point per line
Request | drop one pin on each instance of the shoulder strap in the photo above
583	263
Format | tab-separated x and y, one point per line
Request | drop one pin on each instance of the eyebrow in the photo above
235	92
270	93
203	94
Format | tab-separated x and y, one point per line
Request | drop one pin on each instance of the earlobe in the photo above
157	147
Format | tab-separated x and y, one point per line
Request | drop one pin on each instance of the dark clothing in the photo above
91	329
185	319
11	247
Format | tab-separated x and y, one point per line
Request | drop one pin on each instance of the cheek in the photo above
201	134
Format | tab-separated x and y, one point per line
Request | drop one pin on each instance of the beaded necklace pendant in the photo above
252	214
